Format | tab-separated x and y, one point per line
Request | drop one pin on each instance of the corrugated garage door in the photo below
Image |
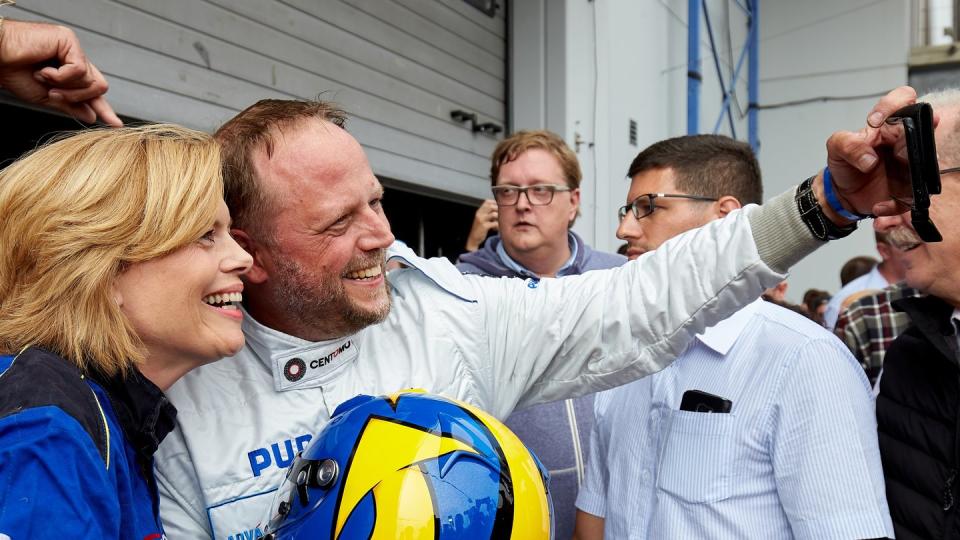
399	66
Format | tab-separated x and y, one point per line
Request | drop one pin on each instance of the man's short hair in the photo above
856	267
948	98
513	146
252	129
707	165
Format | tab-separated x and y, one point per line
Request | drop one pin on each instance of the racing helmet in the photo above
413	465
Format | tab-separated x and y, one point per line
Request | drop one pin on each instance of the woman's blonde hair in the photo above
76	212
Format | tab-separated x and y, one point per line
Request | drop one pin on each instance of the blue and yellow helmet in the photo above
413	466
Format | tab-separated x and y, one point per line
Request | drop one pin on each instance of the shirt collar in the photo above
522	270
296	363
721	336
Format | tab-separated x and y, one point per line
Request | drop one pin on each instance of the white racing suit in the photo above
496	343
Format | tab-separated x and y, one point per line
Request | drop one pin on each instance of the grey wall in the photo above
824	48
627	59
398	66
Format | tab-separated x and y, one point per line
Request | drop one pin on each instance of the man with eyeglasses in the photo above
535	180
762	428
918	406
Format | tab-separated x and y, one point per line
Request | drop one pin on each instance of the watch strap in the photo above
812	214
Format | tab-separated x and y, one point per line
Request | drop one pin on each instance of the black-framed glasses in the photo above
909	132
538	195
646	204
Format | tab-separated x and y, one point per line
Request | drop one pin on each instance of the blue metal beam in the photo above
694	76
753	76
749	53
723	85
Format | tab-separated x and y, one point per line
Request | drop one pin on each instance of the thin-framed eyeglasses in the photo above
538	195
646	204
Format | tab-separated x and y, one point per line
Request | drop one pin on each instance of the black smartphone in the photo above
699	401
914	157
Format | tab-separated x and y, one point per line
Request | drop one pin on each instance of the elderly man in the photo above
918	408
762	428
325	324
535	179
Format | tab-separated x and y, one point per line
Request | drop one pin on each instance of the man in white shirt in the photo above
890	270
762	428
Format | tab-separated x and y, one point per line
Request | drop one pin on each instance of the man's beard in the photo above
321	302
903	238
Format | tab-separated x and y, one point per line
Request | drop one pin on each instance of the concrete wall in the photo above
628	60
861	49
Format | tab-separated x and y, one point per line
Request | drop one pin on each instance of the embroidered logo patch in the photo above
294	369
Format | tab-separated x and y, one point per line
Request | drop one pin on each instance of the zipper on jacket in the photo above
948	499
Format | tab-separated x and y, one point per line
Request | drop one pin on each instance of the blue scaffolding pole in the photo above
748	53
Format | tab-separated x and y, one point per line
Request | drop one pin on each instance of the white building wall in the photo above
398	66
824	48
637	68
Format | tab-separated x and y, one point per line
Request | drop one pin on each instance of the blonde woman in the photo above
118	276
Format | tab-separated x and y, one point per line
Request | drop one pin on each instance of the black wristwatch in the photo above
812	214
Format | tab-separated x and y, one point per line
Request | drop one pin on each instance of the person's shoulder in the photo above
598	260
855	285
484	261
593	259
41	389
803	341
789	326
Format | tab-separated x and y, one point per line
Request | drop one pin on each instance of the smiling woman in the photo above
118	276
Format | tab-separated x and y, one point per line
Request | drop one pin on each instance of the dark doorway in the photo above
25	128
431	226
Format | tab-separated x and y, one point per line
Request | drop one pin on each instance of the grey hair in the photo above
947	101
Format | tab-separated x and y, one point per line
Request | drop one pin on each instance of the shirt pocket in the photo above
696	462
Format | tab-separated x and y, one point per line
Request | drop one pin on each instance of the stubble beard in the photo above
320	303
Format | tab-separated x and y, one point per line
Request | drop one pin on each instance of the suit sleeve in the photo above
53	481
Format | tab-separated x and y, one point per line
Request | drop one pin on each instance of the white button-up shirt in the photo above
797	456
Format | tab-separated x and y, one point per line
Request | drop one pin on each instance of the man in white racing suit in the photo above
324	323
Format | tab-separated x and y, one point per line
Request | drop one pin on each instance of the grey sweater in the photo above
558	433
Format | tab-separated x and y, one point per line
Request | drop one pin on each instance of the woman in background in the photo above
117	276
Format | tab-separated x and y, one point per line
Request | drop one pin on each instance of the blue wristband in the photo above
834	201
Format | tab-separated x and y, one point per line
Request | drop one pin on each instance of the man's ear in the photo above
257	273
727	204
575	201
885	251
